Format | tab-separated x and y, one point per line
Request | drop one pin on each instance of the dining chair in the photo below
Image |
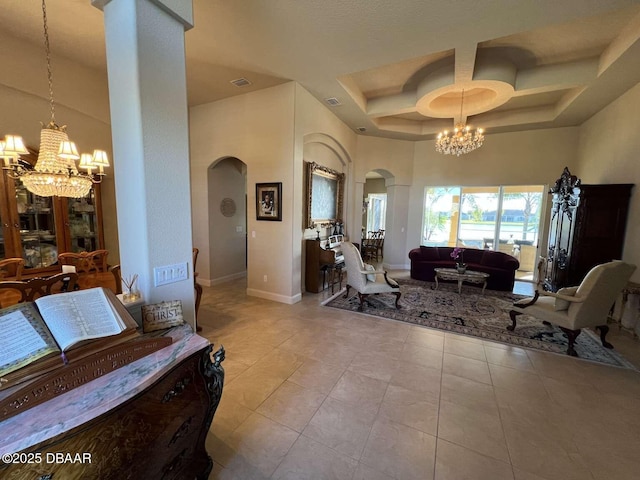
196	286
117	276
11	268
17	291
86	262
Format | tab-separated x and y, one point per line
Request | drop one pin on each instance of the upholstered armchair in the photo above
363	280
574	308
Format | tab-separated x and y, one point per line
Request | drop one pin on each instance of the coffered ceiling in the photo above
395	68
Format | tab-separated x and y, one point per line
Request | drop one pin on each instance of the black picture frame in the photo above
269	201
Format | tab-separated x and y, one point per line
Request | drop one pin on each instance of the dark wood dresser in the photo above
157	433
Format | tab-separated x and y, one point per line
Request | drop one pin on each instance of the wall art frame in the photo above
325	192
269	201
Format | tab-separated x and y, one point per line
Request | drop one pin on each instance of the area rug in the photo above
474	314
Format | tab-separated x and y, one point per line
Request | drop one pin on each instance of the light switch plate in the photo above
170	274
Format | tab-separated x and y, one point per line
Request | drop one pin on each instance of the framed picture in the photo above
269	201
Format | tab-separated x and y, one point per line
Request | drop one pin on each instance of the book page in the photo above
22	342
81	315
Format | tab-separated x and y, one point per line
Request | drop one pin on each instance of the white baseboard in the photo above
252	292
402	266
210	282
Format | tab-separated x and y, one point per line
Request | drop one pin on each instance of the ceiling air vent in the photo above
361	129
241	82
333	101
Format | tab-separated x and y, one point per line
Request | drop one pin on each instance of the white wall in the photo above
394	159
257	129
535	157
609	147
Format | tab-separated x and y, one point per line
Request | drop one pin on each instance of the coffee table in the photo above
469	276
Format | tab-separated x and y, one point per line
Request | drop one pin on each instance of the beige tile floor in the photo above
316	393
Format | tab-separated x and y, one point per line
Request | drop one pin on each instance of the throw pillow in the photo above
561	304
371	277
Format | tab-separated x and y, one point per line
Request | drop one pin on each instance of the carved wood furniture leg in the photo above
436	281
484	285
604	329
362	298
571	335
397	294
513	314
346	294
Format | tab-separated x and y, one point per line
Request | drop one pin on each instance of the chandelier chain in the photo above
47	50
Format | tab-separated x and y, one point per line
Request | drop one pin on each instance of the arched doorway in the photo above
227	207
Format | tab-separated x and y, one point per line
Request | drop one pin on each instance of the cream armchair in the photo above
574	308
364	281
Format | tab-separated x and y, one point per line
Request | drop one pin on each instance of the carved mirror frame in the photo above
325	192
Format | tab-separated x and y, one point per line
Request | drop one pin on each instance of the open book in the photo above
36	337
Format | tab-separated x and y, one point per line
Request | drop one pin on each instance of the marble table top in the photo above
92	399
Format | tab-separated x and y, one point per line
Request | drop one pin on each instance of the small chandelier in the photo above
462	139
55	172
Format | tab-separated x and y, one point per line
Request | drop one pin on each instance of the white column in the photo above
395	235
149	124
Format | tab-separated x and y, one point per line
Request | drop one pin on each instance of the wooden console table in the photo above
148	419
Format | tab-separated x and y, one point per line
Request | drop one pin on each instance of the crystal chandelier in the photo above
462	139
55	172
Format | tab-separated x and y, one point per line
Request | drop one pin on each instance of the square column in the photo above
149	124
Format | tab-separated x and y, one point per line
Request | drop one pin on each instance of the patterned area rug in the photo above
471	313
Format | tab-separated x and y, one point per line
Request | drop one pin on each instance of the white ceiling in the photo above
397	67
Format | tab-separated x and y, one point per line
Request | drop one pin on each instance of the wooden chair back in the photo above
117	275
86	262
195	257
15	291
11	268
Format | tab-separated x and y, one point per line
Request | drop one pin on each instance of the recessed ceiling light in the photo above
241	82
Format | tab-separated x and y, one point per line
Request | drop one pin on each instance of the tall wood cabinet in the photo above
587	228
39	228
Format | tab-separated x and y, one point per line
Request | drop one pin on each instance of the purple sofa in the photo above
500	266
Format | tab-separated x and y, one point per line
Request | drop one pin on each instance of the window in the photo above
376	211
503	218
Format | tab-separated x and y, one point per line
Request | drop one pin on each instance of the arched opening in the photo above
227	207
375	205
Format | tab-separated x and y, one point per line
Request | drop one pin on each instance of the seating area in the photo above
585	305
366	281
500	266
372	246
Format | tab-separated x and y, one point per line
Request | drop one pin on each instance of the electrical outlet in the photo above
170	274
265	278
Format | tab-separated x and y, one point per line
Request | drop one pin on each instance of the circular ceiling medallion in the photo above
228	207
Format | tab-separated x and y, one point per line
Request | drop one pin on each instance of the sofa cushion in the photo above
429	253
472	255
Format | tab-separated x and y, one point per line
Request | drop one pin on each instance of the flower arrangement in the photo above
458	254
